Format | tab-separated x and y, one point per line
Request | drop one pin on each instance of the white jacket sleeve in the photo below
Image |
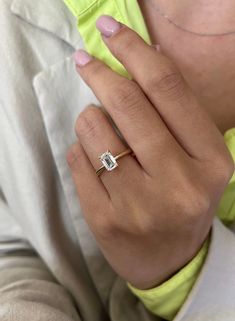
28	291
212	297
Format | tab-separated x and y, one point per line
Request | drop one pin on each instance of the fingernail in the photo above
107	25
81	57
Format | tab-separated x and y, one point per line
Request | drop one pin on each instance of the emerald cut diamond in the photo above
109	161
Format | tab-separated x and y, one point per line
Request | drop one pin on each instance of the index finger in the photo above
166	89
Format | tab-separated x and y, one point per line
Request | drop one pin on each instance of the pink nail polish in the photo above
81	57
107	25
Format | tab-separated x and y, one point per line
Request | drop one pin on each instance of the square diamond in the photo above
108	161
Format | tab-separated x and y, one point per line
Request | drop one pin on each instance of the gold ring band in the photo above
110	162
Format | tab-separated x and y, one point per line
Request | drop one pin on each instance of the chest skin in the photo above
207	63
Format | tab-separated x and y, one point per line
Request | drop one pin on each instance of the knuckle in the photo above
225	168
230	168
126	43
191	204
144	226
170	83
201	203
106	229
126	96
96	68
88	121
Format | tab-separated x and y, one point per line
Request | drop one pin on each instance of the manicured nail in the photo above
81	57
107	25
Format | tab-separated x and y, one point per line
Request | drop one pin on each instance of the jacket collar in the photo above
47	15
61	95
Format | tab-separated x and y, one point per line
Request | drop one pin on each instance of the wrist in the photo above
151	283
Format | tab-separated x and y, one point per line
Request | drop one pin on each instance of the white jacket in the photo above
50	265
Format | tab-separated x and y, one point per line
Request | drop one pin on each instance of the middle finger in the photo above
134	115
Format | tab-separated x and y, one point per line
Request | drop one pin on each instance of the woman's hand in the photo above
152	213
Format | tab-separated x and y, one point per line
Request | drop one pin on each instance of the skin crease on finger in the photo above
207	64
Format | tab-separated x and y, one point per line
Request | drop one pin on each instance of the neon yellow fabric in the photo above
226	208
87	12
166	299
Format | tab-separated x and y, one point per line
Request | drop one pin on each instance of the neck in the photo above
149	18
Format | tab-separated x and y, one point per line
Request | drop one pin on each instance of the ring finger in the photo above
96	135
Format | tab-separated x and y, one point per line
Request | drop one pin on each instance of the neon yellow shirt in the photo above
166	299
